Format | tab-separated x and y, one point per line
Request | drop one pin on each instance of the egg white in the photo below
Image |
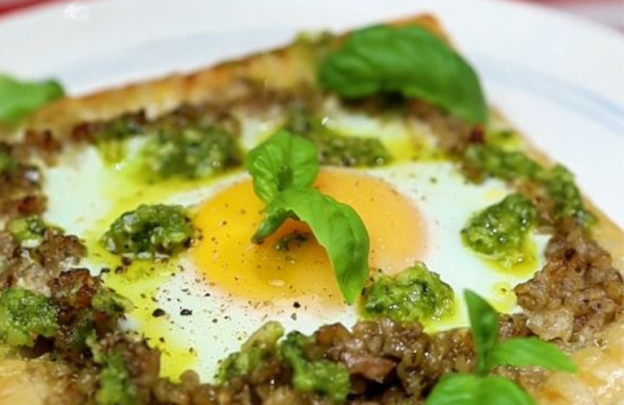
82	189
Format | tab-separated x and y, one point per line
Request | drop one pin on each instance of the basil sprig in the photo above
284	161
482	388
336	227
283	169
19	98
407	60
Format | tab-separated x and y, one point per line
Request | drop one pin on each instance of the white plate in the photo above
561	81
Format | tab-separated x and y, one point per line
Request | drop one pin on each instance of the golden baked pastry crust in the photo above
601	364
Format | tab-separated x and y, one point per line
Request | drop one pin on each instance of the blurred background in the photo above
606	12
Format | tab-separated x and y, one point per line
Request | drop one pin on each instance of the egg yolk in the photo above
290	263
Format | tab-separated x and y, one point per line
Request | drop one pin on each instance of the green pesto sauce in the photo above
337	149
320	376
28	232
122	127
25	315
261	346
500	231
110	136
193	153
566	196
505	139
149	232
557	182
110	303
116	388
7	163
415	294
499	163
308	375
174	146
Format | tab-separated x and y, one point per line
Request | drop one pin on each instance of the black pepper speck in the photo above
158	312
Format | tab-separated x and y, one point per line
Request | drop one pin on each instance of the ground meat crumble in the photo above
577	293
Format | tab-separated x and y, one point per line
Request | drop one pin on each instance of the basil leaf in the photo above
18	99
281	162
519	352
407	60
455	389
336	227
484	325
468	389
496	390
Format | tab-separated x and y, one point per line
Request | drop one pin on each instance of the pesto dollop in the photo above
185	143
316	375
261	346
149	232
116	387
28	232
7	163
566	196
194	152
500	231
500	163
556	183
110	303
25	315
415	294
320	375
336	149
109	136
120	128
